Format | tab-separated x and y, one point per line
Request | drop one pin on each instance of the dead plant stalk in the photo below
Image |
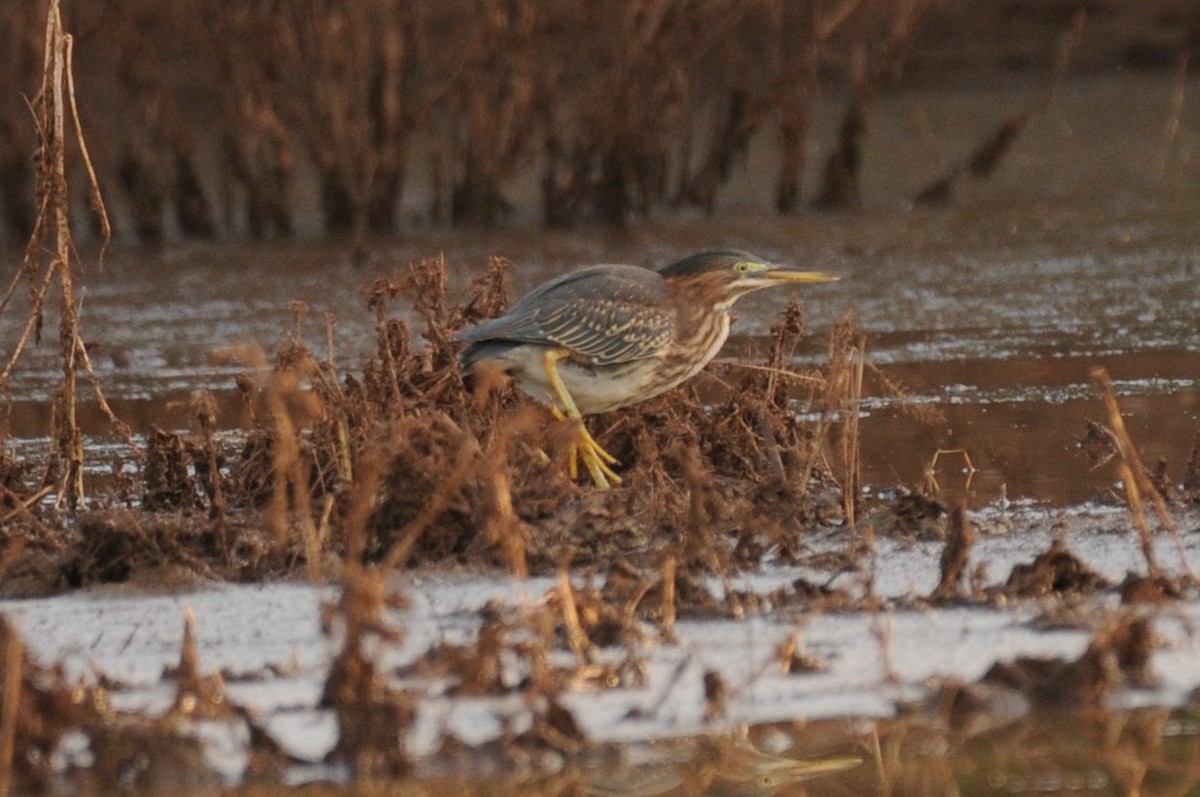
58	47
1137	481
9	710
53	219
851	451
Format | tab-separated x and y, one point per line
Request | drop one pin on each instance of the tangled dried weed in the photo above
402	463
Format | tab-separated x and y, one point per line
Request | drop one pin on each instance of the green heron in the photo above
608	336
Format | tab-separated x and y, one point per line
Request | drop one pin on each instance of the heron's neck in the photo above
703	329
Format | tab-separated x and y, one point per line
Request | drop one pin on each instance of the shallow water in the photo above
1003	353
1076	253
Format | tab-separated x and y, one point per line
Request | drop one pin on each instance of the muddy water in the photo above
999	339
1077	252
1006	367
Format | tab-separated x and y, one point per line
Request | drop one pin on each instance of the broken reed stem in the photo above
9	711
503	525
668	600
832	395
345	455
851	450
289	476
884	630
1138	482
289	455
24	510
773	373
291	491
363	494
33	322
94	194
122	428
205	411
576	636
771	446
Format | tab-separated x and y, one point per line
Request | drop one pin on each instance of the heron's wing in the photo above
604	314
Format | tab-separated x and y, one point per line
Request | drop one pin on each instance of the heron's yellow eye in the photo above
745	267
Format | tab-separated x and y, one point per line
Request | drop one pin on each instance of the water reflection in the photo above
1144	751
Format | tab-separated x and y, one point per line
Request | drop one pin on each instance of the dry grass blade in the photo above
851	449
1138	482
290	408
95	197
14	656
576	636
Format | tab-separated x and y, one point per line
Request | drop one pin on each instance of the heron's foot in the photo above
597	461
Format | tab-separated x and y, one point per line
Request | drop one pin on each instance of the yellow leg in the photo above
595	458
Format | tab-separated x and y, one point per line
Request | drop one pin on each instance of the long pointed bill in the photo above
787	275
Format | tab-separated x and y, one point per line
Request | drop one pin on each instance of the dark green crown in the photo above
707	261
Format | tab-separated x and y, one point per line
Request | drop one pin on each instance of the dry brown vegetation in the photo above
405	464
617	112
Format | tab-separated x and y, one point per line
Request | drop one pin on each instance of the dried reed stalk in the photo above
576	636
669	608
465	466
851	448
289	406
55	101
204	410
14	655
842	398
1138	483
504	528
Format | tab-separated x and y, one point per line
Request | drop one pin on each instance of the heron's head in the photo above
722	276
